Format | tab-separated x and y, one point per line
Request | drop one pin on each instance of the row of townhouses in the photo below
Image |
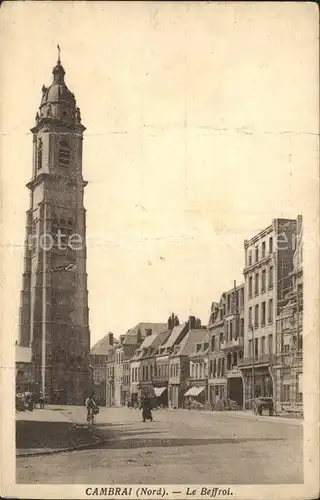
251	345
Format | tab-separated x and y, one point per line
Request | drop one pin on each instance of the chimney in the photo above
139	337
110	337
122	337
299	223
148	332
192	322
169	323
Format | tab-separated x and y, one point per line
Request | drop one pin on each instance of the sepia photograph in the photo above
160	250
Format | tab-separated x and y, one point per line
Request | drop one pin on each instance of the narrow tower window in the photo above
64	154
39	154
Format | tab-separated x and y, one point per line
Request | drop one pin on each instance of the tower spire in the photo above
58	70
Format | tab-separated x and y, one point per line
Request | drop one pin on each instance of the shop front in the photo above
161	396
196	394
217	390
257	383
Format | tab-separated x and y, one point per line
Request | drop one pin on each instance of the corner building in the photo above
267	272
54	298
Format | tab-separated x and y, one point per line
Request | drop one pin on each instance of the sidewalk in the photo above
51	430
247	414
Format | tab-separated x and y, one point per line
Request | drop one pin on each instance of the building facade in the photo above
217	382
110	385
268	267
126	384
24	369
233	343
54	315
148	367
98	359
289	331
198	374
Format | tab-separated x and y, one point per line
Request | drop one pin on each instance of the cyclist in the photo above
92	407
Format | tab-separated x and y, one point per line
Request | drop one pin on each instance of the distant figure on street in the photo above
41	400
29	400
92	409
146	409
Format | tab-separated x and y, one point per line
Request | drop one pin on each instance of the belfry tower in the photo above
54	299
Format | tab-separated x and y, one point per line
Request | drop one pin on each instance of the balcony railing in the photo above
256	360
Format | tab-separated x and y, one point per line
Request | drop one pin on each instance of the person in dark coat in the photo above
41	400
146	409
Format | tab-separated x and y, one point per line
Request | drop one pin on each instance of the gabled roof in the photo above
151	342
132	334
193	337
173	336
102	347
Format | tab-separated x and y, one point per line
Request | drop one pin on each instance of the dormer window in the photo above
39	154
64	154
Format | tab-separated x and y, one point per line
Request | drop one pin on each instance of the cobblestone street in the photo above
179	446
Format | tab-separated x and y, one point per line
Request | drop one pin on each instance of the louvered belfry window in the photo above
39	154
64	154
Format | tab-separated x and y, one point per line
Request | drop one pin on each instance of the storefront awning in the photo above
158	391
199	390
194	391
189	392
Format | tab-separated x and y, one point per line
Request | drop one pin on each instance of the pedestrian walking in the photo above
41	400
92	410
29	400
146	409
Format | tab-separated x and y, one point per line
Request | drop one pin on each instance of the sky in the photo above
201	128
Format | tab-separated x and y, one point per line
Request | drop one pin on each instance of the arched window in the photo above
39	154
214	368
64	154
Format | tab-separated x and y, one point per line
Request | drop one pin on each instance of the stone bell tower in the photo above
54	298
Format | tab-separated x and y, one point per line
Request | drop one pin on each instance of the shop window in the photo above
286	393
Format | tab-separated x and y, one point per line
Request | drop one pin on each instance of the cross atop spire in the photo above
58	70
